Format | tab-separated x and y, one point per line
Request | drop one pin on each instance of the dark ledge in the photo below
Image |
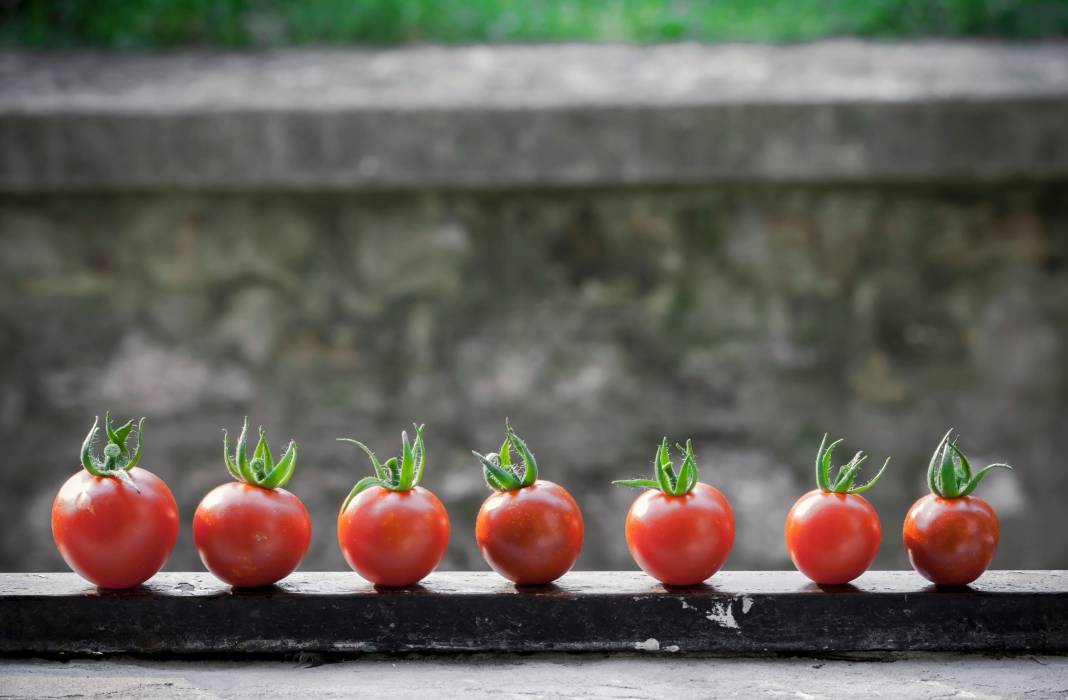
330	613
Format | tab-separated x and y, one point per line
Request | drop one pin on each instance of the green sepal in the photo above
667	480
498	469
949	474
530	465
117	460
261	470
497	478
845	478
280	474
396	475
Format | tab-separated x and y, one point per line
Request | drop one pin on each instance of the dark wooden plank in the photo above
738	612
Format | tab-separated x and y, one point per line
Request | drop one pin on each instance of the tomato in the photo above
832	538
529	531
950	541
392	531
532	535
393	538
681	531
110	534
252	533
681	540
114	523
250	536
950	536
833	533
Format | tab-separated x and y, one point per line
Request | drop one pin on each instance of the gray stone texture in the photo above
534	116
547	676
751	317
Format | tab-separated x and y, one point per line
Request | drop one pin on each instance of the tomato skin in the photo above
393	538
532	535
249	536
950	541
680	540
832	538
110	534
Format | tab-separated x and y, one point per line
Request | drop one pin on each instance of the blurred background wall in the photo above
602	304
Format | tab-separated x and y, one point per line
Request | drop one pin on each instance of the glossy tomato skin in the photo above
250	536
681	540
110	534
531	536
832	538
393	538
951	541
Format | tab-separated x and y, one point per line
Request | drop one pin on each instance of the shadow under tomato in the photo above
413	588
537	589
831	588
258	591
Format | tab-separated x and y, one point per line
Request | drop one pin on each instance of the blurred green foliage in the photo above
236	23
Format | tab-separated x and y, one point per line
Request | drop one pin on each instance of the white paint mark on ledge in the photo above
721	613
648	645
654	645
747	603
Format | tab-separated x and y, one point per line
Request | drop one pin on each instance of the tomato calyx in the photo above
261	470
118	460
950	474
498	468
393	475
667	479
846	475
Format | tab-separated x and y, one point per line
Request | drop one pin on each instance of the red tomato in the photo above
951	541
531	535
249	536
832	538
110	534
393	538
681	540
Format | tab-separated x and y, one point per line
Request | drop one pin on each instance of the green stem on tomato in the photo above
949	475
261	470
117	460
845	477
404	475
498	469
667	480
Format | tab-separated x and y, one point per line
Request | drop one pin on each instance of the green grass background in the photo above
238	23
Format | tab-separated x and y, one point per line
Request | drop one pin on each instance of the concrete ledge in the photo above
740	612
534	116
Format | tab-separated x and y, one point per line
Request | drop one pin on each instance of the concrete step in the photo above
542	116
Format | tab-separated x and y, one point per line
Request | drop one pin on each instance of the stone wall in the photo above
752	318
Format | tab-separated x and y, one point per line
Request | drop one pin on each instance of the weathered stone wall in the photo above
749	318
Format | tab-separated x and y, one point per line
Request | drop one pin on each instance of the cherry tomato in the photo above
532	535
949	535
832	538
529	531
253	532
393	538
681	531
392	531
110	534
833	533
681	540
114	523
249	536
950	541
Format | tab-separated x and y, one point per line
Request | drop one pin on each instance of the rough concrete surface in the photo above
536	115
546	676
750	319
